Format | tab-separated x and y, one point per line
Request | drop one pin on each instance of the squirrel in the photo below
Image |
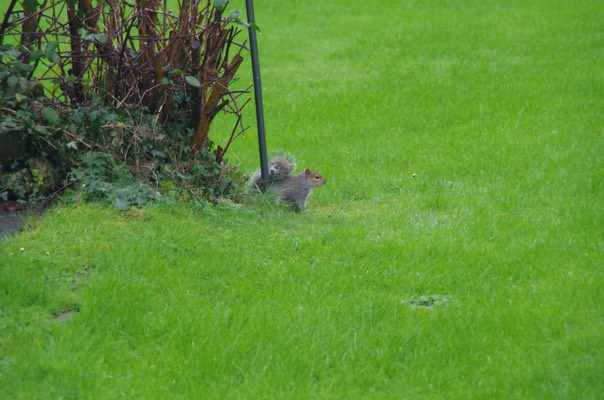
292	188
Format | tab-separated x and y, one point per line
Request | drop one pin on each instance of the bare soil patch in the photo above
13	215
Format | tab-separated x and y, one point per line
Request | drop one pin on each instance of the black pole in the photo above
249	6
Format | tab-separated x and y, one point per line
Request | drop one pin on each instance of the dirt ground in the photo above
12	215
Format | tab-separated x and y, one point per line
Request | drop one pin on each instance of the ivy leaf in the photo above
41	129
193	81
53	56
10	52
50	115
220	4
9	124
12	81
19	67
234	14
101	38
35	55
51	46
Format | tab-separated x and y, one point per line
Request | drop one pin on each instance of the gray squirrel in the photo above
292	188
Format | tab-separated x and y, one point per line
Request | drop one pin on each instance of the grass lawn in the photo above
456	251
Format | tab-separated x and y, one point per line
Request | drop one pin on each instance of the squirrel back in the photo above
292	188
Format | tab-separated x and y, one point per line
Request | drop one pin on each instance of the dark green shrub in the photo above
134	81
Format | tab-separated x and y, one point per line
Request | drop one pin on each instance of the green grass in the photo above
496	107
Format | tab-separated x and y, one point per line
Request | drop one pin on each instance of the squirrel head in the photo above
315	178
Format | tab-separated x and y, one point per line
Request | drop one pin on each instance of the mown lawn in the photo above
455	252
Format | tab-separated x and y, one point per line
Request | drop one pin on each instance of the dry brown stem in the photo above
138	54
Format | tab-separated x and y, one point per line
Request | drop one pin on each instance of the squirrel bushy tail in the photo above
292	188
278	168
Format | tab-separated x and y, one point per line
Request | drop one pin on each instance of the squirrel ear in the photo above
306	171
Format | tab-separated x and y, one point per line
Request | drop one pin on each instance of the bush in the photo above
134	81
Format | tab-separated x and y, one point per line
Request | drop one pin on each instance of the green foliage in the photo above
16	84
71	140
98	177
87	54
72	84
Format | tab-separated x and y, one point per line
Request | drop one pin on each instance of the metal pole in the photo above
249	6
